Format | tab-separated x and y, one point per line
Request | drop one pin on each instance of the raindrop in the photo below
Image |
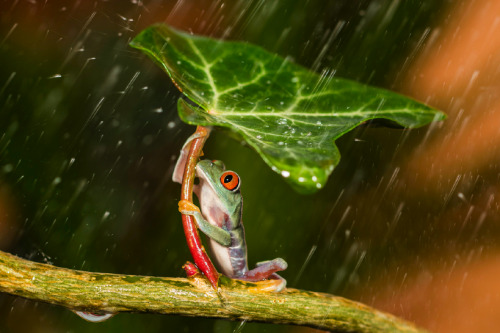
302	179
158	110
147	140
285	173
461	196
55	76
94	318
7	168
171	124
314	178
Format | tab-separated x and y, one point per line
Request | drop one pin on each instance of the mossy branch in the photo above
79	290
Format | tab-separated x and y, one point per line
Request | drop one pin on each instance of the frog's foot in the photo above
188	208
94	317
181	161
191	269
266	286
266	270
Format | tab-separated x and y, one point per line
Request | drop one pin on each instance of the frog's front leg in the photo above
266	270
219	235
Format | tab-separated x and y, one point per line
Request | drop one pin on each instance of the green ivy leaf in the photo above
288	114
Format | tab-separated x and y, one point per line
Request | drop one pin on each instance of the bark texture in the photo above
195	296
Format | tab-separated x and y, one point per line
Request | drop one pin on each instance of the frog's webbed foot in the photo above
188	208
266	270
266	286
181	161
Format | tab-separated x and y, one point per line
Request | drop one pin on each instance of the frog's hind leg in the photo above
266	270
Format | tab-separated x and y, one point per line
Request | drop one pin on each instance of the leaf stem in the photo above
196	248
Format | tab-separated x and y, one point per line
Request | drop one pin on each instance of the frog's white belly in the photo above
232	260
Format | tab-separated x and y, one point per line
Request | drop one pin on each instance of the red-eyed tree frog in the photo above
220	219
218	192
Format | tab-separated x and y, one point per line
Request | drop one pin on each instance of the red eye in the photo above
230	180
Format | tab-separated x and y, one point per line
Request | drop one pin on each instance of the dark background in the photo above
89	135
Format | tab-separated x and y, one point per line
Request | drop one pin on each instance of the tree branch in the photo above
86	291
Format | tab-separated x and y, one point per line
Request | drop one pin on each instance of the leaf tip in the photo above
440	116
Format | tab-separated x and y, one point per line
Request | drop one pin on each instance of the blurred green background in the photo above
89	136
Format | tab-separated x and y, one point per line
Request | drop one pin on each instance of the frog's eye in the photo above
230	180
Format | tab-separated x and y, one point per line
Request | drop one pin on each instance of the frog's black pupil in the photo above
228	178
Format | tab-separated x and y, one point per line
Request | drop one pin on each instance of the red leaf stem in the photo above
196	248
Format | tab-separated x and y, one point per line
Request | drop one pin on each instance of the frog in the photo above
220	218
